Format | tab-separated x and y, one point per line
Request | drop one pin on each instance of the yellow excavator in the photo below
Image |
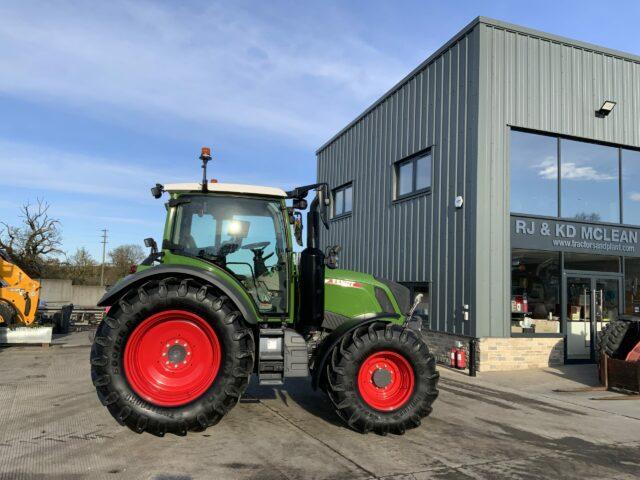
19	302
19	294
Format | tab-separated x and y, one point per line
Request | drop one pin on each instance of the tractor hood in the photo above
355	294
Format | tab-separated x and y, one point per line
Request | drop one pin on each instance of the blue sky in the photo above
100	100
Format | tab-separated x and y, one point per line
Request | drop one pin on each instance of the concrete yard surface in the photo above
498	425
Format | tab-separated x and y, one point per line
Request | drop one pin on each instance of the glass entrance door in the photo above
591	302
578	295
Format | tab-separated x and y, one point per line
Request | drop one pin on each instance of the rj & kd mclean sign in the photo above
546	234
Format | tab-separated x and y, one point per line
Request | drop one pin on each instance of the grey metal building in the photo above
497	178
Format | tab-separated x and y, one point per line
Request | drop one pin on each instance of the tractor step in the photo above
271	357
282	353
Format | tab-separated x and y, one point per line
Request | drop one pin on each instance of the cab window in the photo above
245	236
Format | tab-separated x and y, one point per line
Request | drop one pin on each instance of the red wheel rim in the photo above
386	380
172	358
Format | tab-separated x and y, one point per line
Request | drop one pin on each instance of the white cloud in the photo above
44	169
548	169
635	196
65	213
571	171
207	64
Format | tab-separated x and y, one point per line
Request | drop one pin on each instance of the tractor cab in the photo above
244	235
245	230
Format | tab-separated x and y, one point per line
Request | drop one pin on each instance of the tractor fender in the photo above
332	340
127	283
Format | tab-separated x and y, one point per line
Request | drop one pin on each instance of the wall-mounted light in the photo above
605	109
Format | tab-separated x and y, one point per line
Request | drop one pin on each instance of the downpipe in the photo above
472	357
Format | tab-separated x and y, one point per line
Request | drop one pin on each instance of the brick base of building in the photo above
500	354
519	353
440	344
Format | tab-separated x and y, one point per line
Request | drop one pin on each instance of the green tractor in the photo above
226	297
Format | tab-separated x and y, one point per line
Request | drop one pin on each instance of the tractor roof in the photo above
226	188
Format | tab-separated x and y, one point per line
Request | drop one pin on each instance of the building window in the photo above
593	182
632	286
343	200
413	175
591	263
534	174
630	187
589	181
535	292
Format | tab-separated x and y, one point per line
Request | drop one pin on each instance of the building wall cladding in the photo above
424	238
537	81
462	101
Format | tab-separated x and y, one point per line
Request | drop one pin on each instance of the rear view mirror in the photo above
299	204
297	227
151	243
153	256
324	201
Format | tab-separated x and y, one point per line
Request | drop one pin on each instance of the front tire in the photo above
7	314
172	356
382	378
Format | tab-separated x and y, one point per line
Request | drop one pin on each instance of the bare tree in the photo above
83	267
124	256
36	238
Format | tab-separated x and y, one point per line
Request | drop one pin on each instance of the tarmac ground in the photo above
495	425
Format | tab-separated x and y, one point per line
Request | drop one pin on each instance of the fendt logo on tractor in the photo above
226	297
342	283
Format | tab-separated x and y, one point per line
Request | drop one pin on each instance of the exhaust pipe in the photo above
312	273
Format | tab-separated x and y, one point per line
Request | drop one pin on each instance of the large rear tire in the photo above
382	378
618	338
172	356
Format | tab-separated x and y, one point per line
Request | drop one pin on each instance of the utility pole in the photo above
104	253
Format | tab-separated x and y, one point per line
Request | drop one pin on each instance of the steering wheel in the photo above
257	249
256	246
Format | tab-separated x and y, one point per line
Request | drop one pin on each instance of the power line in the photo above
104	254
